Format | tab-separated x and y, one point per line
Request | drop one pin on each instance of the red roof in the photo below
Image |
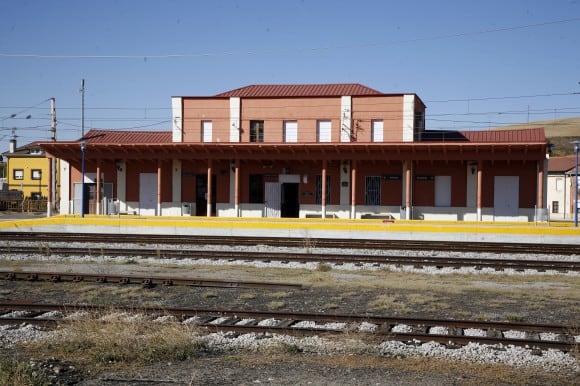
562	164
300	90
127	137
503	136
120	137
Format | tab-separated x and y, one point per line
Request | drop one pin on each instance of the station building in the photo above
298	151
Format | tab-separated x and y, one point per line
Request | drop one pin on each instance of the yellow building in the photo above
27	170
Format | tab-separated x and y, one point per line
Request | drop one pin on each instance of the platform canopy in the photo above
493	145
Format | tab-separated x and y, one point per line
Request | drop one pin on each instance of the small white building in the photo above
560	187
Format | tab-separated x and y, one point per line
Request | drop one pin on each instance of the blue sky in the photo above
475	64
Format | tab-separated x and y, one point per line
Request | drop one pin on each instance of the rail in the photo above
307	243
445	331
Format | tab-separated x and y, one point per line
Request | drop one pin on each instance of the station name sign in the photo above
391	177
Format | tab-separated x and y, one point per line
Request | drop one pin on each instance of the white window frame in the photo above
291	131
206	131
324	131
377	127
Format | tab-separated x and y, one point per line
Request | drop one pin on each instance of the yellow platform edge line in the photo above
299	224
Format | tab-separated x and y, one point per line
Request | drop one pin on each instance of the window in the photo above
290	131
206	131
18	174
36	196
419	121
256	188
373	190
36	174
376	131
319	189
256	131
555	207
323	132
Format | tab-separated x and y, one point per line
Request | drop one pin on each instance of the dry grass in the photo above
108	294
20	373
391	303
5	292
247	296
280	295
118	338
276	305
567	127
209	294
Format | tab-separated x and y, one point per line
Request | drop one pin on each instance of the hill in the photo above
559	132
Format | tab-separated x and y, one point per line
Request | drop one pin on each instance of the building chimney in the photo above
12	145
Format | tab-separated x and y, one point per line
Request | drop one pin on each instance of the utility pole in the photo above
52	180
53	119
82	107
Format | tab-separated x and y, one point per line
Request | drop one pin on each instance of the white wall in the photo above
65	206
560	192
235	113
177	119
345	118
408	117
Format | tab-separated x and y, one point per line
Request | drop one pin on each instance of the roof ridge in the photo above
300	90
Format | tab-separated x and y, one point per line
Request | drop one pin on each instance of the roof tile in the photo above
504	136
300	90
562	164
127	137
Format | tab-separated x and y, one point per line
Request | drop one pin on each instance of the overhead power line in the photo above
289	50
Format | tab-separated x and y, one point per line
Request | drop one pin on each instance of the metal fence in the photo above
25	205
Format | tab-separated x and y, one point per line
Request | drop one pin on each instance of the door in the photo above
506	197
373	190
148	194
273	198
201	195
78	197
443	191
290	200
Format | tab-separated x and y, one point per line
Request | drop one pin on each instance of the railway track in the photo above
412	330
415	261
145	281
299	242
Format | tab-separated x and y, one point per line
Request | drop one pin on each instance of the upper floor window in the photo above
256	131
36	174
376	130
206	131
290	131
419	121
18	174
324	131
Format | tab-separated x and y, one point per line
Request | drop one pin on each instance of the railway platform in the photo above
549	233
